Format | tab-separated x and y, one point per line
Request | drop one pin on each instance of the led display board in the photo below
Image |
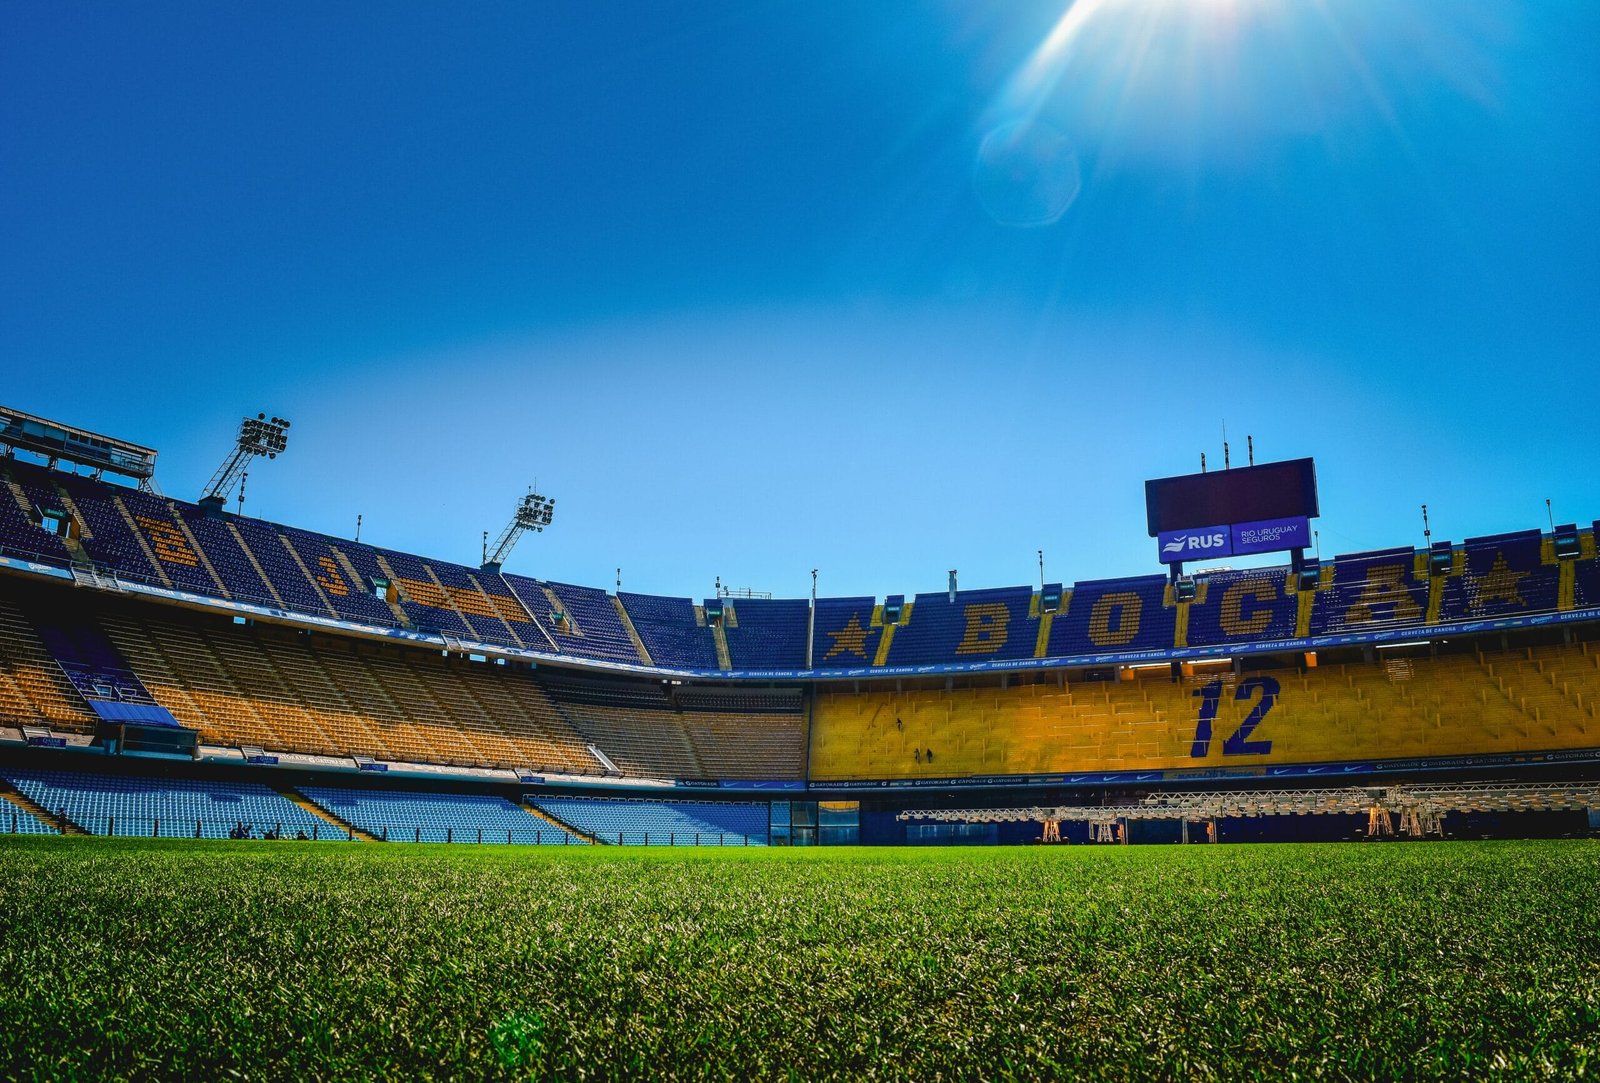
1248	495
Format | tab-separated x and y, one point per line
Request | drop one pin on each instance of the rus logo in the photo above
1196	541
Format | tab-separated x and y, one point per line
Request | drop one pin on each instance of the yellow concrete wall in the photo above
1539	699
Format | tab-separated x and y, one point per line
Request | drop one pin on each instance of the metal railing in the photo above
680	838
185	827
17	552
177	826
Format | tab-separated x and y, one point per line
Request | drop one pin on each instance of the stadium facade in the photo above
161	659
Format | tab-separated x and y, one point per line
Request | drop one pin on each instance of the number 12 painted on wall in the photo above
1239	744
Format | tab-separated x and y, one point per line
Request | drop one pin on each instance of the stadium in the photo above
690	541
176	670
175	674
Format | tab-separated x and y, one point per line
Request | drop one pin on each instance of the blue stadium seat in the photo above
1586	593
90	660
227	557
402	816
271	551
354	600
1504	574
486	604
662	823
21	534
1240	606
845	638
423	603
158	528
171	808
980	625
106	538
1379	589
669	632
15	820
1113	616
767	633
601	634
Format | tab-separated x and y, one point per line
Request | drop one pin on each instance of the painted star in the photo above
851	639
1498	586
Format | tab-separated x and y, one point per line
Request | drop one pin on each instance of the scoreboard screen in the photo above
1249	494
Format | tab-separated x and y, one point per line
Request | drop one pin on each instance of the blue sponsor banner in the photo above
1271	536
1237	540
1196	544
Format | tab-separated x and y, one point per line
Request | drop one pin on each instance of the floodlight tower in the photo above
259	435
534	513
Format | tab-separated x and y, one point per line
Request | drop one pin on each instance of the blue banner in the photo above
1235	540
1271	536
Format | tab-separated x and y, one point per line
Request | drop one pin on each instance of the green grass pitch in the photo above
169	960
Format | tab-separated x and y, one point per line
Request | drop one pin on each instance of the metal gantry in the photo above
1419	809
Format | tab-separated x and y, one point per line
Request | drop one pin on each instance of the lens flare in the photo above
1026	174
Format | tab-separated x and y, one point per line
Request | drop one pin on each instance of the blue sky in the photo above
751	288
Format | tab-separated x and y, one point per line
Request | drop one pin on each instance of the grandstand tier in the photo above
143	805
274	648
270	687
120	538
140	803
75	663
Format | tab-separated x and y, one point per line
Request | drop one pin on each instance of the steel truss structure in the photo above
1420	809
534	513
258	436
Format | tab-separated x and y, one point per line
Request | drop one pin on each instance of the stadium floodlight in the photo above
534	512
258	436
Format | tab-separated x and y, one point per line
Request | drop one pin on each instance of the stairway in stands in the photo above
22	801
349	829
